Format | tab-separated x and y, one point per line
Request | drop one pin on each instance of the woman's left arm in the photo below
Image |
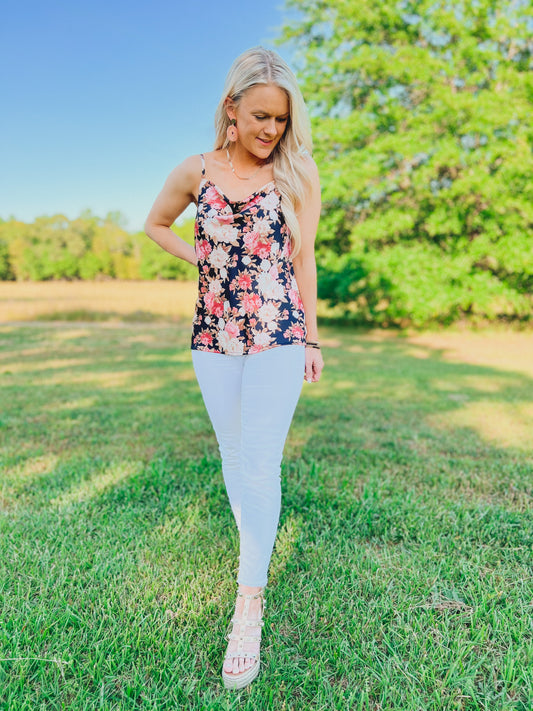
304	265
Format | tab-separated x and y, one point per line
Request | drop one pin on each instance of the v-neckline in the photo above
237	202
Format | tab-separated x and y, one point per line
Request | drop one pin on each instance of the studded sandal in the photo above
242	679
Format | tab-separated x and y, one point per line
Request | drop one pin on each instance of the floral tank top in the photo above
248	297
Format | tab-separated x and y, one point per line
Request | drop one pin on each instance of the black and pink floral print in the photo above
248	298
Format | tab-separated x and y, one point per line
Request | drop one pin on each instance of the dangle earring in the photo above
232	131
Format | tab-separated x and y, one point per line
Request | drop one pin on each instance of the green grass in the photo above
402	573
91	315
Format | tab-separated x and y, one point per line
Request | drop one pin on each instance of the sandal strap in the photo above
249	655
252	596
246	622
242	638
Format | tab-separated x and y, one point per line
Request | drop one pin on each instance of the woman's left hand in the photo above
313	364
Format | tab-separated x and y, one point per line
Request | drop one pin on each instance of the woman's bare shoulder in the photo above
188	171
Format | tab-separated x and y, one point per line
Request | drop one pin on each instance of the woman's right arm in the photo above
178	191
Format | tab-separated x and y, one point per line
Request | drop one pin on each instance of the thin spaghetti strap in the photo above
203	164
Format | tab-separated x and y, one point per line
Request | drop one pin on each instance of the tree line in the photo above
87	247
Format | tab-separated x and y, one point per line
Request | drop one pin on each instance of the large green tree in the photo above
422	131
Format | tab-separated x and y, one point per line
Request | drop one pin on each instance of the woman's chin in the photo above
262	153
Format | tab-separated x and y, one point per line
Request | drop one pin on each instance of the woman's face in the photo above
262	116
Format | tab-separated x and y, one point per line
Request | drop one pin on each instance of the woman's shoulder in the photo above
191	167
187	174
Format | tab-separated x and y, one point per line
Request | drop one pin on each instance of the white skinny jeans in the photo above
250	400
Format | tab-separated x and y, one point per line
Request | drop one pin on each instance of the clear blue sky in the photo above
101	99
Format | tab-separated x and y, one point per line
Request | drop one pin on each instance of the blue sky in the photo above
102	99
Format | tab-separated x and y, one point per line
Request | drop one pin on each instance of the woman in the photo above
254	336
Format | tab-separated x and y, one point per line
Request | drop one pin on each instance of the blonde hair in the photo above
263	66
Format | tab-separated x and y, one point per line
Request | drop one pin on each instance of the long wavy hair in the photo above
263	66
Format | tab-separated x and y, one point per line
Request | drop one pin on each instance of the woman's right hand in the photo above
313	364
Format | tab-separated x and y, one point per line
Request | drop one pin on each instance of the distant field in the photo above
103	301
96	300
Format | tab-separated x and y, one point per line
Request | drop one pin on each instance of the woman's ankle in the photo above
250	589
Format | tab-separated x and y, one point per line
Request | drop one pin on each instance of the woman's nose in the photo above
270	127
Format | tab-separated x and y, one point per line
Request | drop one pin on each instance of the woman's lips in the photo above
265	143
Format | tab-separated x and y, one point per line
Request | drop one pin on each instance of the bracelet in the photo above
312	344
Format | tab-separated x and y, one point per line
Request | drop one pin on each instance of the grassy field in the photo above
402	575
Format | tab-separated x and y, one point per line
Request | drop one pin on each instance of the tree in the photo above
422	128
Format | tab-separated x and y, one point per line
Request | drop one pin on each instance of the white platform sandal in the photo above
242	679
